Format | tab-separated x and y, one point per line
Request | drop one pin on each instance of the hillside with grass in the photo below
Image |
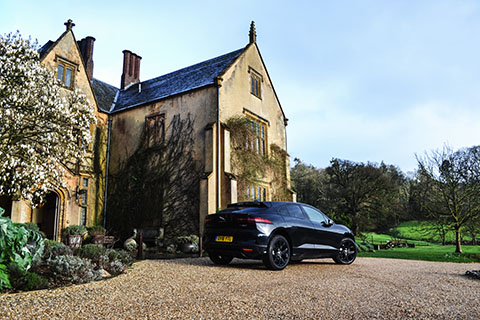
425	244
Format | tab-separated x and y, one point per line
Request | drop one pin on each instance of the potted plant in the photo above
187	244
74	235
97	234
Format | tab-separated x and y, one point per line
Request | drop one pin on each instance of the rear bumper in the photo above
247	243
244	250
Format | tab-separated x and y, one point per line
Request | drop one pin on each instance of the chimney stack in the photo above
131	69
86	49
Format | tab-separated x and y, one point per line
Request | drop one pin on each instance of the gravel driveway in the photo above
315	289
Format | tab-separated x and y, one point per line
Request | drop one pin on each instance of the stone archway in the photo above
48	214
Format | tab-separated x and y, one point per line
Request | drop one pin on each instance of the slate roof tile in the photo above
105	94
197	76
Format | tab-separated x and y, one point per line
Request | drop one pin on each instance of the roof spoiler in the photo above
257	204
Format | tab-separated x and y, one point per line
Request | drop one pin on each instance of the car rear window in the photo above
291	210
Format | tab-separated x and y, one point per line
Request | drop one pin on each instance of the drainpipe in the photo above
218	84
106	173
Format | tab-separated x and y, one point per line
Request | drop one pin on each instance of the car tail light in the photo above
247	249
259	220
252	220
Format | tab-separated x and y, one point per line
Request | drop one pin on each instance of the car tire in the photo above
219	259
347	253
278	253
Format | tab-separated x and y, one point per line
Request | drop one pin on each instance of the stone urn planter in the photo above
188	247
187	244
98	239
75	241
97	234
74	235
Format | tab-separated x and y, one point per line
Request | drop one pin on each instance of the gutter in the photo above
218	84
108	161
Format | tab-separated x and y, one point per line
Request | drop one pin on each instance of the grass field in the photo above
414	232
424	230
431	252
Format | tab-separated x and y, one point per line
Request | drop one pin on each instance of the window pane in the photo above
85	182
84	198
60	73
295	211
264	195
83	216
68	77
314	215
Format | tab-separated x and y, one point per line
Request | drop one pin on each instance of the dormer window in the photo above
65	74
255	83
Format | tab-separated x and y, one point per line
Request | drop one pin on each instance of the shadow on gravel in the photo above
245	264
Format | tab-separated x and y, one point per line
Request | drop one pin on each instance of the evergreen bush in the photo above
73	269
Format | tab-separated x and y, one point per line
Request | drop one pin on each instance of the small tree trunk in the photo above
458	242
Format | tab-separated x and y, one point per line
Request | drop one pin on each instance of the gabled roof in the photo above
190	78
45	48
105	94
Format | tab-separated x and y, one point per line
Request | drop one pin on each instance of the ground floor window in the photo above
83	199
256	192
83	216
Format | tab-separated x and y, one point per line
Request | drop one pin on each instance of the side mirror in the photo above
328	223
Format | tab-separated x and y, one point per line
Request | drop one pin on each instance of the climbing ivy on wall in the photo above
251	167
158	186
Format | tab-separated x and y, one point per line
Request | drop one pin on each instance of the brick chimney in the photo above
86	49
131	69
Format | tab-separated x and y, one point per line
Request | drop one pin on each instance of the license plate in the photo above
224	239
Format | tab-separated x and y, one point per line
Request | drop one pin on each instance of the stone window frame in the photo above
260	132
82	198
65	64
155	129
258	192
256	80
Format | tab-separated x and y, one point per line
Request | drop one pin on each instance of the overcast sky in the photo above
359	80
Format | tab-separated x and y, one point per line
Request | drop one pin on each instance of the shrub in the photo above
4	278
118	261
187	239
115	267
96	230
73	269
25	280
94	252
75	230
54	249
125	257
29	225
19	245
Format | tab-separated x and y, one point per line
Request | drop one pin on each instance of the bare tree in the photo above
455	192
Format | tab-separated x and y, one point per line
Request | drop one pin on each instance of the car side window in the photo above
314	215
295	211
283	211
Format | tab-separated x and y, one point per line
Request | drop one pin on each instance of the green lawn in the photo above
413	232
431	252
424	230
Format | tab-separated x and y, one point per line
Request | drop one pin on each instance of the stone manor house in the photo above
233	88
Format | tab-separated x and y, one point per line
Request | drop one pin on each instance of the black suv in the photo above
277	233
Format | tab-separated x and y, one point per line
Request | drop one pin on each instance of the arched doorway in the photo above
47	218
6	204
